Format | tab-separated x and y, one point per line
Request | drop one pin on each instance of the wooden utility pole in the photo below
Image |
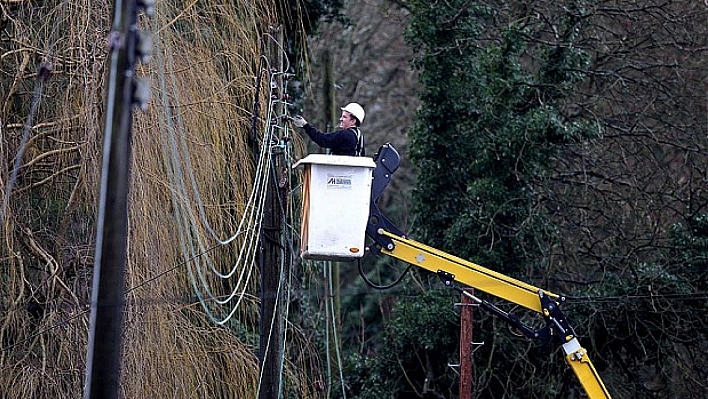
331	268
332	108
331	118
270	333
466	363
272	324
330	113
108	293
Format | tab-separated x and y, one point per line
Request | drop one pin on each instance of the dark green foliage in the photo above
643	327
691	252
419	341
490	125
507	113
488	130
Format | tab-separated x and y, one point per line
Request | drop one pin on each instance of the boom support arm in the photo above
390	241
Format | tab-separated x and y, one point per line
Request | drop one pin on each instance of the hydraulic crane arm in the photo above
486	280
390	241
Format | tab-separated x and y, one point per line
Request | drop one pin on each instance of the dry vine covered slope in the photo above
192	139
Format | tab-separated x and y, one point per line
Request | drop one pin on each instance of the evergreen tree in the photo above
488	130
489	127
511	178
647	324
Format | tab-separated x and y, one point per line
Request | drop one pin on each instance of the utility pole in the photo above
107	296
331	109
330	117
466	363
272	323
331	268
328	92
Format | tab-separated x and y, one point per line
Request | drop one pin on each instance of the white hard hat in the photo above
356	110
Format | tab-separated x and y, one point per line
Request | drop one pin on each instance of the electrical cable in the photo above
381	287
189	234
87	310
667	297
327	276
282	321
190	238
571	300
337	349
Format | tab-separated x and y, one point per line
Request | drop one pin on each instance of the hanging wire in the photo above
185	191
381	287
335	337
282	285
191	215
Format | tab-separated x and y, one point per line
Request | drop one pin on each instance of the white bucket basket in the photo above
335	206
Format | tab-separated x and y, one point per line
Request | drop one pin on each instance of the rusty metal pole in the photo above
466	363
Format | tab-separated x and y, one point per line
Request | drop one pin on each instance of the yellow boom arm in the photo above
389	240
466	272
505	287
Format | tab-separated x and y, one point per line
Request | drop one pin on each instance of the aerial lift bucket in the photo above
336	193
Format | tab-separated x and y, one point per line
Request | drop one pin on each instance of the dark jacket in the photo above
341	142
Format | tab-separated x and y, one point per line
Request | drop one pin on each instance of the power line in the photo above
617	298
263	172
181	174
353	292
346	293
86	310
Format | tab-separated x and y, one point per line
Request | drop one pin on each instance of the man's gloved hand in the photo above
299	121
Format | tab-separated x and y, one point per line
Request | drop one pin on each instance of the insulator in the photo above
144	47
141	93
148	6
44	71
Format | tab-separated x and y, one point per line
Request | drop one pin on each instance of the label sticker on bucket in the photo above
339	182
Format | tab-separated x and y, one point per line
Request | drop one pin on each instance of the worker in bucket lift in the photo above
347	140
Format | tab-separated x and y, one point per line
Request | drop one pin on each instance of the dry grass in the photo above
203	81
